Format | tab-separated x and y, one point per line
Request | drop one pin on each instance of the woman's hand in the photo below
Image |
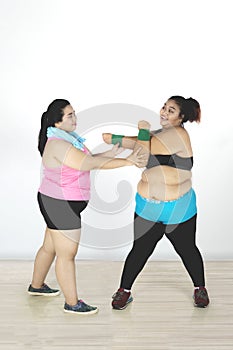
107	137
139	160
143	124
113	152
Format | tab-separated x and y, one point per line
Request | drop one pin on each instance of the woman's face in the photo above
69	120
170	115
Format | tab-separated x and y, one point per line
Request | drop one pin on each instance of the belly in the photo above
164	183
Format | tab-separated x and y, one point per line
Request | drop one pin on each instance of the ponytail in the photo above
43	133
53	115
192	111
189	108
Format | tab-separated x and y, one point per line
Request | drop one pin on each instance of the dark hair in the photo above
53	115
189	108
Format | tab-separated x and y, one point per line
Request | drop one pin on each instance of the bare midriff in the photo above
164	183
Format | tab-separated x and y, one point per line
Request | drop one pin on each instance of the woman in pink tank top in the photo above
63	194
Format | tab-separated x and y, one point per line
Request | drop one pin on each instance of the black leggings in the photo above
147	234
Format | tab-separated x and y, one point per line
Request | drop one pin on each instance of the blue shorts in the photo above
167	212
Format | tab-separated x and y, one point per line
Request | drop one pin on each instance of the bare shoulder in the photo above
171	134
55	149
58	145
171	140
182	132
176	132
186	150
62	152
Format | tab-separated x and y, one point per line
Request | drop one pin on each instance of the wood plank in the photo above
162	316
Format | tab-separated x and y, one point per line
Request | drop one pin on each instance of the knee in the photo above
67	254
141	252
186	250
48	250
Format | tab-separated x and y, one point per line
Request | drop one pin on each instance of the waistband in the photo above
167	212
158	201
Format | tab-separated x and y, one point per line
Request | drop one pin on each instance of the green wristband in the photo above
117	139
144	135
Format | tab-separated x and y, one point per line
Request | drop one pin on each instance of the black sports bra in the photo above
171	160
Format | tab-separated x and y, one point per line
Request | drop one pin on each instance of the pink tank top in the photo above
65	183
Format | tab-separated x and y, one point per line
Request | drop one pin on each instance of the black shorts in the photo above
61	214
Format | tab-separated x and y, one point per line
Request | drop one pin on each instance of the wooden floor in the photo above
161	317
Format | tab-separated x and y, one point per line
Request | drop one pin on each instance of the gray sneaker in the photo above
81	308
44	290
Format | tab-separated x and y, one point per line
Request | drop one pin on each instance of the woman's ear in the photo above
57	125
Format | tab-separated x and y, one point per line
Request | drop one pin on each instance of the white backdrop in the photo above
114	54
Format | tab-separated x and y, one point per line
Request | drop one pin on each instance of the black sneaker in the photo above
80	308
121	299
44	290
200	297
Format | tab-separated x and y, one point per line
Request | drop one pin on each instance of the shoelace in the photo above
44	287
201	294
118	295
85	306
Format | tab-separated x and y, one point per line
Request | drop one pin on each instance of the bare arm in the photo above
70	156
132	142
110	153
144	145
127	141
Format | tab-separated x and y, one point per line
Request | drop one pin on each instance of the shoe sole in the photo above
200	305
124	307
45	294
81	313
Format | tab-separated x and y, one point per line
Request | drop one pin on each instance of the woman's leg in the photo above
66	250
146	235
43	260
183	239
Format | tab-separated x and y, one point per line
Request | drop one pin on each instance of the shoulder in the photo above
57	146
64	152
154	132
171	141
173	133
183	134
54	143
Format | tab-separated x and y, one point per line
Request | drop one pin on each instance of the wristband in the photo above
117	139
144	135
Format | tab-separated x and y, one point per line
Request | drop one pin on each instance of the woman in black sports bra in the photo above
165	200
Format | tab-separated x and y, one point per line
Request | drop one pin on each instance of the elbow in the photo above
87	164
